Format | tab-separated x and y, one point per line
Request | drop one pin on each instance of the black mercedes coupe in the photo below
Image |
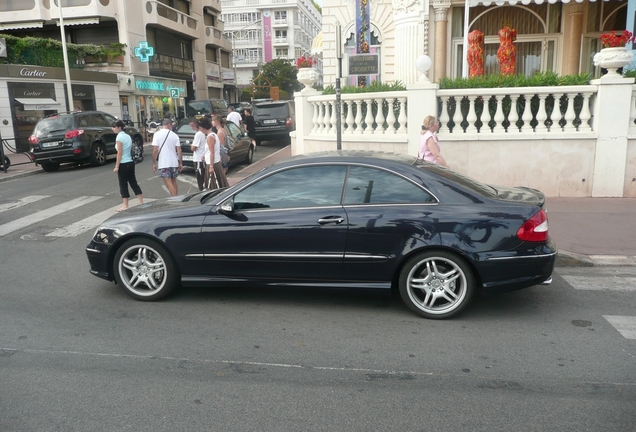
336	219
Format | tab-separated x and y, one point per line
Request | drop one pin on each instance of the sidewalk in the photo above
587	231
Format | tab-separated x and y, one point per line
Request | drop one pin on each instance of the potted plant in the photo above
306	75
614	55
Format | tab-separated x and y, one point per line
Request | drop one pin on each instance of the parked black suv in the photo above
206	107
77	137
274	120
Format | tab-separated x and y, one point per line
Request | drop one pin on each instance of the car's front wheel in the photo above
250	155
145	269
98	155
436	284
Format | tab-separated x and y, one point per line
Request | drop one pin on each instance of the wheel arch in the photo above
433	248
123	239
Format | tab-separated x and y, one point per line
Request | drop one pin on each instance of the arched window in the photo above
538	33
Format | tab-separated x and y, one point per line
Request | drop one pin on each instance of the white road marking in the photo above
90	222
19	224
21	202
604	283
626	325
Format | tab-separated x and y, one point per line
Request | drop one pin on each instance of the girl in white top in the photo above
199	152
215	170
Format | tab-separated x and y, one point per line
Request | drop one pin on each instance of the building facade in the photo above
264	30
174	50
552	35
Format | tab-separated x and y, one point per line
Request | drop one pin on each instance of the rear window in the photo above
185	128
51	125
272	111
202	107
467	182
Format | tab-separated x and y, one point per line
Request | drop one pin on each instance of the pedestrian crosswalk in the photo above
48	212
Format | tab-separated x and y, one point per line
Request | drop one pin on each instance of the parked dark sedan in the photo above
243	151
336	219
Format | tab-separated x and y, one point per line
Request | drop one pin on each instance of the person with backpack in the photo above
166	156
125	166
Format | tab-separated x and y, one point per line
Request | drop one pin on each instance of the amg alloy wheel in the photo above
436	284
145	269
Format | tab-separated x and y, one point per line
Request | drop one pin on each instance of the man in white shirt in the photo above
200	155
166	156
234	117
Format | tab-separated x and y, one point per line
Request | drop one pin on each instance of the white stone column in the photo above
611	121
304	119
441	8
422	101
410	38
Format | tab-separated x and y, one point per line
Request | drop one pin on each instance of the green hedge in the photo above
539	79
48	52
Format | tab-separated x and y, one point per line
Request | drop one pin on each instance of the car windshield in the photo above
185	128
53	124
271	111
202	107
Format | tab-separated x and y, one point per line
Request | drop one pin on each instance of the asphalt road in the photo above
76	353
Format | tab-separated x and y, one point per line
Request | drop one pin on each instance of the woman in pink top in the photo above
429	146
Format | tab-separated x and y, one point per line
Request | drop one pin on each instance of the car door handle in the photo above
331	219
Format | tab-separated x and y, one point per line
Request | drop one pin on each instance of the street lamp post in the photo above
338	92
69	91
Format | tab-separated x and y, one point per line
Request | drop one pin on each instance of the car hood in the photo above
519	194
159	207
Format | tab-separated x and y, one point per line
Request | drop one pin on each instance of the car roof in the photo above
348	156
271	103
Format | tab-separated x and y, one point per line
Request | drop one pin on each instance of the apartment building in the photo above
264	30
190	57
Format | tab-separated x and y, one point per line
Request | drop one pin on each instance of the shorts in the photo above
171	172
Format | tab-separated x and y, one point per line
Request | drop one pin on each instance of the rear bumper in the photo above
524	267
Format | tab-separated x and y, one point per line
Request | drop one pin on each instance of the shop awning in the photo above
22	25
35	104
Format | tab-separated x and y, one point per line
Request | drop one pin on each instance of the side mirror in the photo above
227	207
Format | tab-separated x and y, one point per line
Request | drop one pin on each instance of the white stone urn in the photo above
307	77
612	59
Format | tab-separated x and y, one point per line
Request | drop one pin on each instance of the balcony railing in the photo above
172	65
169	16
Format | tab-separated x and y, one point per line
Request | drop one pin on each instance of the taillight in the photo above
33	140
289	122
535	229
73	134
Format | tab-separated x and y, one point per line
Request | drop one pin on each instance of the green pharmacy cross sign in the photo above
144	52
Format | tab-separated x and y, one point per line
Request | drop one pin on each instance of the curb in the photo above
573	259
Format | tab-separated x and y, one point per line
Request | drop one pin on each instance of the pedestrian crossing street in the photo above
607	280
48	212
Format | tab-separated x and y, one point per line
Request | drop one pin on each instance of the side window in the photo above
98	120
297	187
83	121
234	130
373	186
110	119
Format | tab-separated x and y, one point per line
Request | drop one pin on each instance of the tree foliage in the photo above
281	73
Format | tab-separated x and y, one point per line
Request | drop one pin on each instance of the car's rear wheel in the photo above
50	166
436	284
98	155
250	155
145	269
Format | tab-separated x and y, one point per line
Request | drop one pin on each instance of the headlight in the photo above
105	235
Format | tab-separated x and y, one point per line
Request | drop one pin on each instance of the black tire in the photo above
436	284
145	269
138	150
50	166
98	155
250	155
